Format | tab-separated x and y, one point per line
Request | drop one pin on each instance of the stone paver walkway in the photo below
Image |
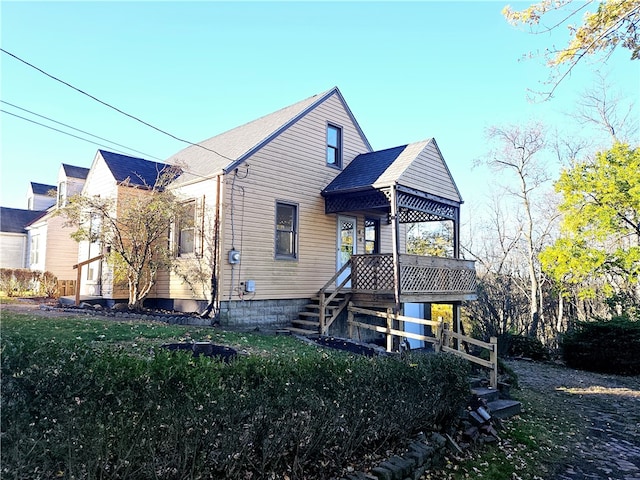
608	409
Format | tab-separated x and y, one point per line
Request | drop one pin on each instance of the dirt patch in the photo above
605	413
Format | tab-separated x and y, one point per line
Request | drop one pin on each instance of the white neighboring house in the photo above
51	247
14	237
41	196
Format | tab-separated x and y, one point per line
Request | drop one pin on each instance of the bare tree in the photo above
607	110
518	152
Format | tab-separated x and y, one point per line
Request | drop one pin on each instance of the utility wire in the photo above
206	177
112	107
62	131
78	130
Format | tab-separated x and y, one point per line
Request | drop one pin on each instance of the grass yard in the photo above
139	335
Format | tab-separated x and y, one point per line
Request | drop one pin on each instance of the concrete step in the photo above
303	331
504	408
487	394
307	323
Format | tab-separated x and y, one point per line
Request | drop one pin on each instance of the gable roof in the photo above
228	150
42	189
14	220
138	172
396	165
72	171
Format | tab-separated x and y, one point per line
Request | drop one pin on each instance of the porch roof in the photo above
425	188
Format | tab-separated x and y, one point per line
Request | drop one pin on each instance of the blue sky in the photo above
409	71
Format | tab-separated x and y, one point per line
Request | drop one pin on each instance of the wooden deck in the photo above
421	279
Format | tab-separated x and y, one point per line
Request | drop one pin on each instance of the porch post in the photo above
456	234
395	245
456	324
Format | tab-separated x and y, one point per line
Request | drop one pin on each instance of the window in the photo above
62	194
186	229
334	146
35	250
286	230
371	235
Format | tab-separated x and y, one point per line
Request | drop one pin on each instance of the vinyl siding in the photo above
12	250
61	250
291	168
196	267
429	173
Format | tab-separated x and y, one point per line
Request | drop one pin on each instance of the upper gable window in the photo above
334	146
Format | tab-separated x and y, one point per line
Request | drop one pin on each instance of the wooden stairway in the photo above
308	321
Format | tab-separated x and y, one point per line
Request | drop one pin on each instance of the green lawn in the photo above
140	334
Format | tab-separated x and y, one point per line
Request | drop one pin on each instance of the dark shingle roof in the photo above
138	171
72	171
13	220
42	189
229	149
364	170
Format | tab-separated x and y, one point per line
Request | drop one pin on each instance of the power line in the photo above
114	108
78	130
62	131
206	177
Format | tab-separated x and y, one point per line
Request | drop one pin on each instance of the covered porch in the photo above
405	185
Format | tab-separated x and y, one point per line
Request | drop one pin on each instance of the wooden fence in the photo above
442	339
66	288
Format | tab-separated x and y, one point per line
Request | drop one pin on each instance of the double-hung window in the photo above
334	146
186	229
286	235
371	235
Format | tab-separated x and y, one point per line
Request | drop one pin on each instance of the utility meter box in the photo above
234	257
250	286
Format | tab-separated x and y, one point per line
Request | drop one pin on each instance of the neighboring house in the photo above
13	236
70	182
41	196
109	174
51	247
294	206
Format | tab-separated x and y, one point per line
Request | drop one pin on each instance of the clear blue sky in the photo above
409	71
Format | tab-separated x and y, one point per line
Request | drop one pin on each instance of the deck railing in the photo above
420	276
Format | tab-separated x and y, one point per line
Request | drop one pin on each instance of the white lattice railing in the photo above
419	275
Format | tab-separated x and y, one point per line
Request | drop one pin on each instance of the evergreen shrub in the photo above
510	345
608	346
73	411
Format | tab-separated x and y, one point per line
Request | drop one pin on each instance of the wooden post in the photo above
389	327
78	279
493	358
321	310
456	325
350	319
395	245
445	335
437	347
79	275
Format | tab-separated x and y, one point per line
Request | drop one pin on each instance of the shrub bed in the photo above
510	345
72	411
608	346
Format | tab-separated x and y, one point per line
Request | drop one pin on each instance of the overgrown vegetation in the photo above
77	403
608	346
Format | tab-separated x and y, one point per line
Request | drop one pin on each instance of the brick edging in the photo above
422	454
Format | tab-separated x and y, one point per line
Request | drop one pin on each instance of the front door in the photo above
346	245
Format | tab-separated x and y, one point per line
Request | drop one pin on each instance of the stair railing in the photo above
324	300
